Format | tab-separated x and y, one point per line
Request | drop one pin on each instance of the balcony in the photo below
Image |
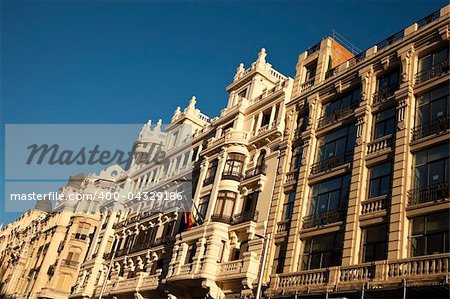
70	264
222	218
429	194
335	116
230	268
374	205
432	72
307	85
328	164
283	226
260	169
322	219
380	144
436	126
122	251
385	94
234	176
291	176
246	216
424	270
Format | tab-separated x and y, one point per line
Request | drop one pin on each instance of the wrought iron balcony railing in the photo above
429	194
222	218
432	72
321	219
260	169
232	175
336	115
426	129
384	94
245	216
330	163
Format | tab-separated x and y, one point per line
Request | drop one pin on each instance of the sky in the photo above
124	62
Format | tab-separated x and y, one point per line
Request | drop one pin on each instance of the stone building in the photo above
363	206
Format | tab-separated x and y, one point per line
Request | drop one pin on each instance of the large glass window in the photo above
349	100
233	166
433	106
321	252
432	166
280	256
338	143
384	123
433	59
388	83
375	240
430	234
380	180
330	195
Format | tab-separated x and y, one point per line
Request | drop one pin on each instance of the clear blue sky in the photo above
128	61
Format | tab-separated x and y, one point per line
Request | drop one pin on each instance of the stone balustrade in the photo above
231	267
385	142
423	269
373	205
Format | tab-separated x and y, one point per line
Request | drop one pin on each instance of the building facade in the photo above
334	184
366	171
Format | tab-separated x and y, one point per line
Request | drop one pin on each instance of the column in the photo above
352	233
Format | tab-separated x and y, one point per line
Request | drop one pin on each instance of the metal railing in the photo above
429	194
232	175
384	94
336	115
222	218
259	169
245	216
330	163
390	40
428	19
426	129
433	71
313	49
321	219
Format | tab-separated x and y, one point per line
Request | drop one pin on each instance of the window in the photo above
288	207
374	248
296	160
211	173
280	256
322	252
433	59
233	166
432	106
335	149
330	195
348	101
250	201
225	204
82	231
380	180
311	71
203	206
190	254
388	83
432	166
384	123
430	234
265	118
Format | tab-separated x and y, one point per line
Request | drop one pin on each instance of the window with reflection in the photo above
384	123
375	243
311	70
388	83
234	165
322	252
339	143
430	234
350	100
225	204
432	166
288	206
203	206
380	180
296	160
330	195
280	257
433	106
211	173
433	59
